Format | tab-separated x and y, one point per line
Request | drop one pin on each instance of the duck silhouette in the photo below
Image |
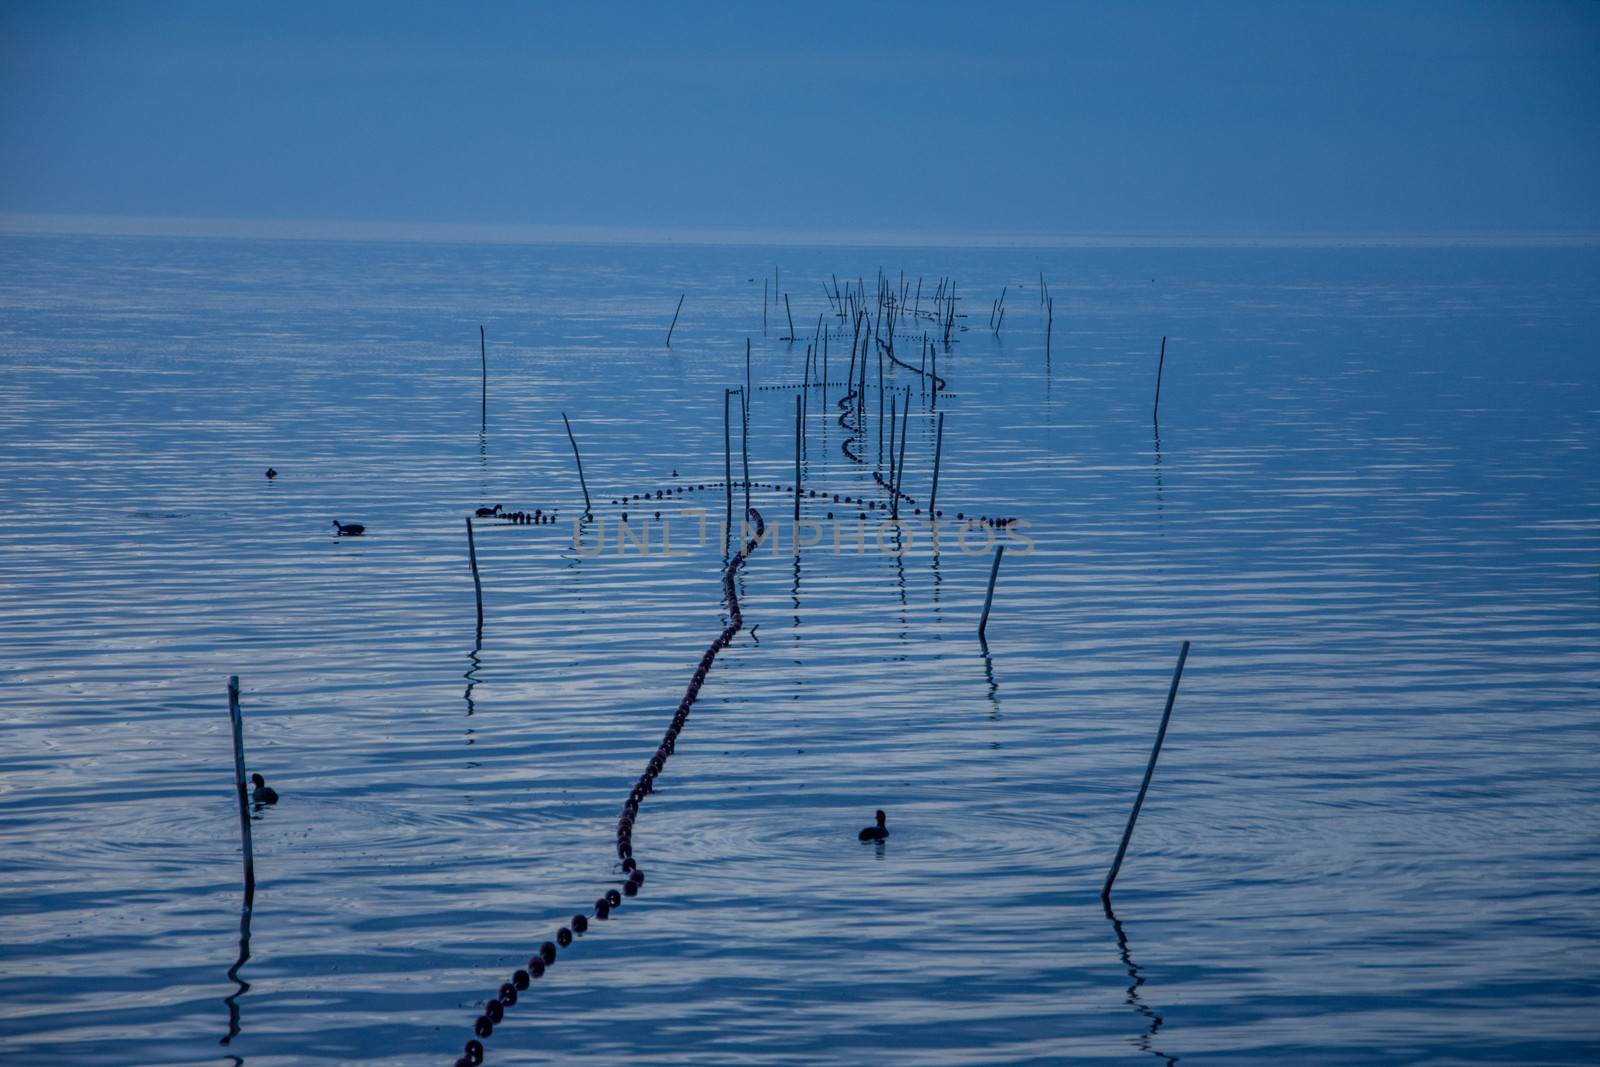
874	833
262	793
348	529
484	513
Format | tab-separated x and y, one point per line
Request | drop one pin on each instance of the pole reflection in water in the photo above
1145	1042
471	675
1159	502
993	690
232	999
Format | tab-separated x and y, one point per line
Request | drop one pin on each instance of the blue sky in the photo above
1228	118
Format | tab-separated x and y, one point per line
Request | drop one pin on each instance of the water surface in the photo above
1370	502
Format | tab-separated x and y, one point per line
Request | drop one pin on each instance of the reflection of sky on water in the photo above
1371	504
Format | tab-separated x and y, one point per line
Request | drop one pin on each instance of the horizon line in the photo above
88	225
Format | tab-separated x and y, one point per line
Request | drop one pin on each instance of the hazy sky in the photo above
974	117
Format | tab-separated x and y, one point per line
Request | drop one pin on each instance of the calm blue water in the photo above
1372	503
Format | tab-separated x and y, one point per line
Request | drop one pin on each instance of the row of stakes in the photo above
495	1009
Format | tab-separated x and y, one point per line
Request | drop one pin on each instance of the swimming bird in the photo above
349	529
485	513
874	833
271	474
263	793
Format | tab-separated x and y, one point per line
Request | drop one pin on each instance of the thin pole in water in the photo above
893	425
477	584
798	432
1144	787
675	319
586	508
994	572
744	415
1156	414
237	718
727	452
483	359
938	450
790	315
900	464
880	407
861	402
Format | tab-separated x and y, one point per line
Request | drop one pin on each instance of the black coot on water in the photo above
875	833
263	793
348	529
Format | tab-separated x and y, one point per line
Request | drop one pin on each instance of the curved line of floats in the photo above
495	1009
938	382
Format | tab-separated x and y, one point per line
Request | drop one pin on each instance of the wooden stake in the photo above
994	572
239	779
893	426
586	508
900	464
880	407
861	404
790	314
483	358
799	432
1156	414
1050	325
675	319
727	453
938	449
744	422
1144	787
472	559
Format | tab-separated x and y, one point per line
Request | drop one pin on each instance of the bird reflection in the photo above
232	999
1145	1042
